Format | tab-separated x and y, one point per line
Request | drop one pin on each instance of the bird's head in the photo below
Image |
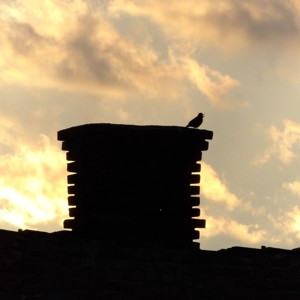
201	115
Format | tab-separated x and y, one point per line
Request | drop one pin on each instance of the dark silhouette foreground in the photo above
131	190
65	266
135	183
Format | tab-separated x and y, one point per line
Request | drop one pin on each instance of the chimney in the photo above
135	184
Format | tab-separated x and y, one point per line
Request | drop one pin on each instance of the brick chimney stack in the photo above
135	184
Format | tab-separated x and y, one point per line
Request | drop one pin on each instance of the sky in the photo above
148	62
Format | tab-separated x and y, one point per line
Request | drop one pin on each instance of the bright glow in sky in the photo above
70	62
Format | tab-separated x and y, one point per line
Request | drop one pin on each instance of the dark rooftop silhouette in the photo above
132	185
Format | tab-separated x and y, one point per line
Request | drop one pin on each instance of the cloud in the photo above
291	218
224	222
230	24
52	43
211	83
293	187
33	190
283	143
77	46
214	189
249	234
287	227
292	222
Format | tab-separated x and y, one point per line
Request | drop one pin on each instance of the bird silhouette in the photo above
196	122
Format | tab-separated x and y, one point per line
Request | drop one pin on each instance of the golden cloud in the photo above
249	234
293	187
33	190
75	45
72	46
214	189
220	221
212	83
230	24
287	226
292	223
283	143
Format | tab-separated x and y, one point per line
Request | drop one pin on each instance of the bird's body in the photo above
196	122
